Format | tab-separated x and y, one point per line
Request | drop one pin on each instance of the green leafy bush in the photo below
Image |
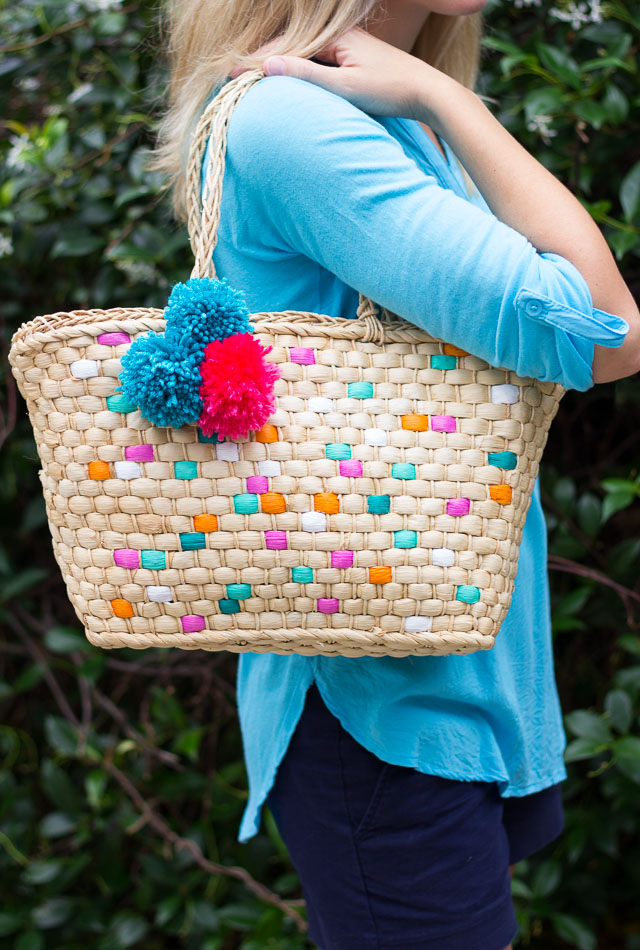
122	780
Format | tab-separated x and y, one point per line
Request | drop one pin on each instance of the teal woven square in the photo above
443	361
192	541
468	594
153	560
503	459
238	591
229	606
185	470
302	575
207	438
405	539
245	504
403	470
379	504
118	403
360	390
338	450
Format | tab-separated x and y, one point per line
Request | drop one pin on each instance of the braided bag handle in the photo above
204	217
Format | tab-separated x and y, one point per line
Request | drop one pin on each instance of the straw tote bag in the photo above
377	511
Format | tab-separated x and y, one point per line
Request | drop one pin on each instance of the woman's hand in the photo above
375	76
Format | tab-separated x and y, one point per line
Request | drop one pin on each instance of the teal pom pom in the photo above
165	389
161	372
202	310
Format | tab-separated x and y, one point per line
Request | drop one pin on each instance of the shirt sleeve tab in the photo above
596	325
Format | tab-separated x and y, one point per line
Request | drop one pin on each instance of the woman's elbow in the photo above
610	364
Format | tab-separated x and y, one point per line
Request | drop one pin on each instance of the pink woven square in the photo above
458	506
257	484
192	623
328	605
443	423
139	453
113	339
341	558
125	557
275	540
301	354
351	468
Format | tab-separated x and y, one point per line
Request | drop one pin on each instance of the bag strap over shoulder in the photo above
204	216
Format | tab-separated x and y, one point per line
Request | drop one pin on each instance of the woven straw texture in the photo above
378	512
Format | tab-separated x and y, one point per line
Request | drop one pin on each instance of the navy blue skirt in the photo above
390	858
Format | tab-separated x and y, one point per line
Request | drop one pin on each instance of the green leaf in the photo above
630	194
588	725
627	756
56	824
616	501
580	749
76	245
546	878
559	64
10	921
66	639
592	112
589	512
618	705
574	931
126	930
53	912
21	582
61	735
615	104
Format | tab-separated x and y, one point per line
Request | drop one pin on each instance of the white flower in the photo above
579	13
79	92
527	3
28	84
16	157
6	246
540	123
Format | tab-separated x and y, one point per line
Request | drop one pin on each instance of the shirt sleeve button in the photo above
533	308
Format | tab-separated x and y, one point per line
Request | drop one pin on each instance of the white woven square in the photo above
84	369
269	468
375	437
505	393
320	404
417	624
314	521
227	452
128	470
161	595
443	557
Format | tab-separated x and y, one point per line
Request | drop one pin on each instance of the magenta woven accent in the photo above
328	605
301	354
351	468
125	557
458	506
257	484
192	623
113	339
443	423
139	453
275	540
341	558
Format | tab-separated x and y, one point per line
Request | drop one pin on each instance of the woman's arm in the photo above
525	195
521	192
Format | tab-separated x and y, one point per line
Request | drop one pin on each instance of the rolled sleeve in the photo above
334	185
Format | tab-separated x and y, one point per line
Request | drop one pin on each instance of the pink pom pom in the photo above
237	386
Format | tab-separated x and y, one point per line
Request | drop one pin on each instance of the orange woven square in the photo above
501	494
267	433
415	423
327	502
452	350
122	608
99	470
273	503
379	575
205	523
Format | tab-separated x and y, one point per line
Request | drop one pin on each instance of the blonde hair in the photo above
206	38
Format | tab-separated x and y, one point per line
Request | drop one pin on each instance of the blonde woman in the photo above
404	788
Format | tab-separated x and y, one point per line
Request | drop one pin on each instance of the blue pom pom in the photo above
161	372
202	310
166	389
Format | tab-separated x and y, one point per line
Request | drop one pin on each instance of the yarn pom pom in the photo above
202	310
164	387
237	386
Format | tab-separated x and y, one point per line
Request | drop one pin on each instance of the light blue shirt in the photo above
320	201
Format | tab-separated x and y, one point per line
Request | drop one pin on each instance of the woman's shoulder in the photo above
283	116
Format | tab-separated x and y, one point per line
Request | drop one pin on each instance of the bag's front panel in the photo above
379	511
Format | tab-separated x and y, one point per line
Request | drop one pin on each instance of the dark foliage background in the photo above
121	774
